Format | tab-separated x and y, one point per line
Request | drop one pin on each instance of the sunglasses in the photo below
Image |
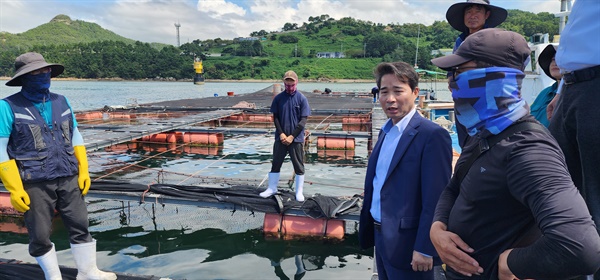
459	70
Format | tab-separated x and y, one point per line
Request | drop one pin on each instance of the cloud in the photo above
220	8
153	20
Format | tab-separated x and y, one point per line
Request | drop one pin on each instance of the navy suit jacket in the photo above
420	169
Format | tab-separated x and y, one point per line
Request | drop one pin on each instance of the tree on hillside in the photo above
440	34
260	33
290	26
377	45
192	50
528	23
288	39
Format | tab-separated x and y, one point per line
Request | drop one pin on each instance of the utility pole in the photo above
365	50
417	51
565	10
177	25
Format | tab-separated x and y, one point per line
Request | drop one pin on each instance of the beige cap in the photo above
290	75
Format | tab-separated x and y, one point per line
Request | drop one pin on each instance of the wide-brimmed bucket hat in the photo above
496	46
32	61
545	59
456	14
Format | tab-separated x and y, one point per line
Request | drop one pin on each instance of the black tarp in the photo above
316	206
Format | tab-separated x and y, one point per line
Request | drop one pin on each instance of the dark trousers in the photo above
62	194
386	271
576	126
296	151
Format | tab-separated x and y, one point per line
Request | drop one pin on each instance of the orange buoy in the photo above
5	199
337	154
271	224
335	143
156	148
203	150
120	115
210	139
293	226
157	138
230	93
89	116
13	227
260	118
171	137
356	123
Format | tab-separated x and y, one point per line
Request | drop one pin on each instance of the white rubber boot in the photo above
272	189
85	258
299	187
49	264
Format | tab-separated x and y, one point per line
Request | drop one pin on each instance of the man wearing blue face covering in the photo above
43	164
511	210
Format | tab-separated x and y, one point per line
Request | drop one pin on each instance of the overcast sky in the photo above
153	20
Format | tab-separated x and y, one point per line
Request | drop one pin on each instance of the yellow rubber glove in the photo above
9	173
84	176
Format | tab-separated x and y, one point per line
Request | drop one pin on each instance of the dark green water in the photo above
189	242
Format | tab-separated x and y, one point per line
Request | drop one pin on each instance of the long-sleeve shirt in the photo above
538	108
519	194
580	40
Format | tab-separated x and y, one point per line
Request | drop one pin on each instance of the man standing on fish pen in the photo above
375	92
290	112
43	164
469	17
511	210
410	165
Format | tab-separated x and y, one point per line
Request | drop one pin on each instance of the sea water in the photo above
187	242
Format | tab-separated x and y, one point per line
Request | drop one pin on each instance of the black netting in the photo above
243	195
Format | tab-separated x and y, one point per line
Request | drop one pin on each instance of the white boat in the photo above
535	79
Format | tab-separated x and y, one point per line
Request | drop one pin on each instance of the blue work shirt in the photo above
579	41
289	109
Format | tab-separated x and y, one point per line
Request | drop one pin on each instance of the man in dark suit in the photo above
409	168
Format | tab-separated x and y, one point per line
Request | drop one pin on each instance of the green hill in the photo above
89	51
61	30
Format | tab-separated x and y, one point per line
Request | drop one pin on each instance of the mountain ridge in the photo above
64	30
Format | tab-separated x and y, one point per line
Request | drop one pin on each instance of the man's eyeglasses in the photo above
457	70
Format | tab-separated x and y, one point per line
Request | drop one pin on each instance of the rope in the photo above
316	127
137	163
218	160
194	175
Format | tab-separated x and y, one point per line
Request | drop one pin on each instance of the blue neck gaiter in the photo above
36	88
488	99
